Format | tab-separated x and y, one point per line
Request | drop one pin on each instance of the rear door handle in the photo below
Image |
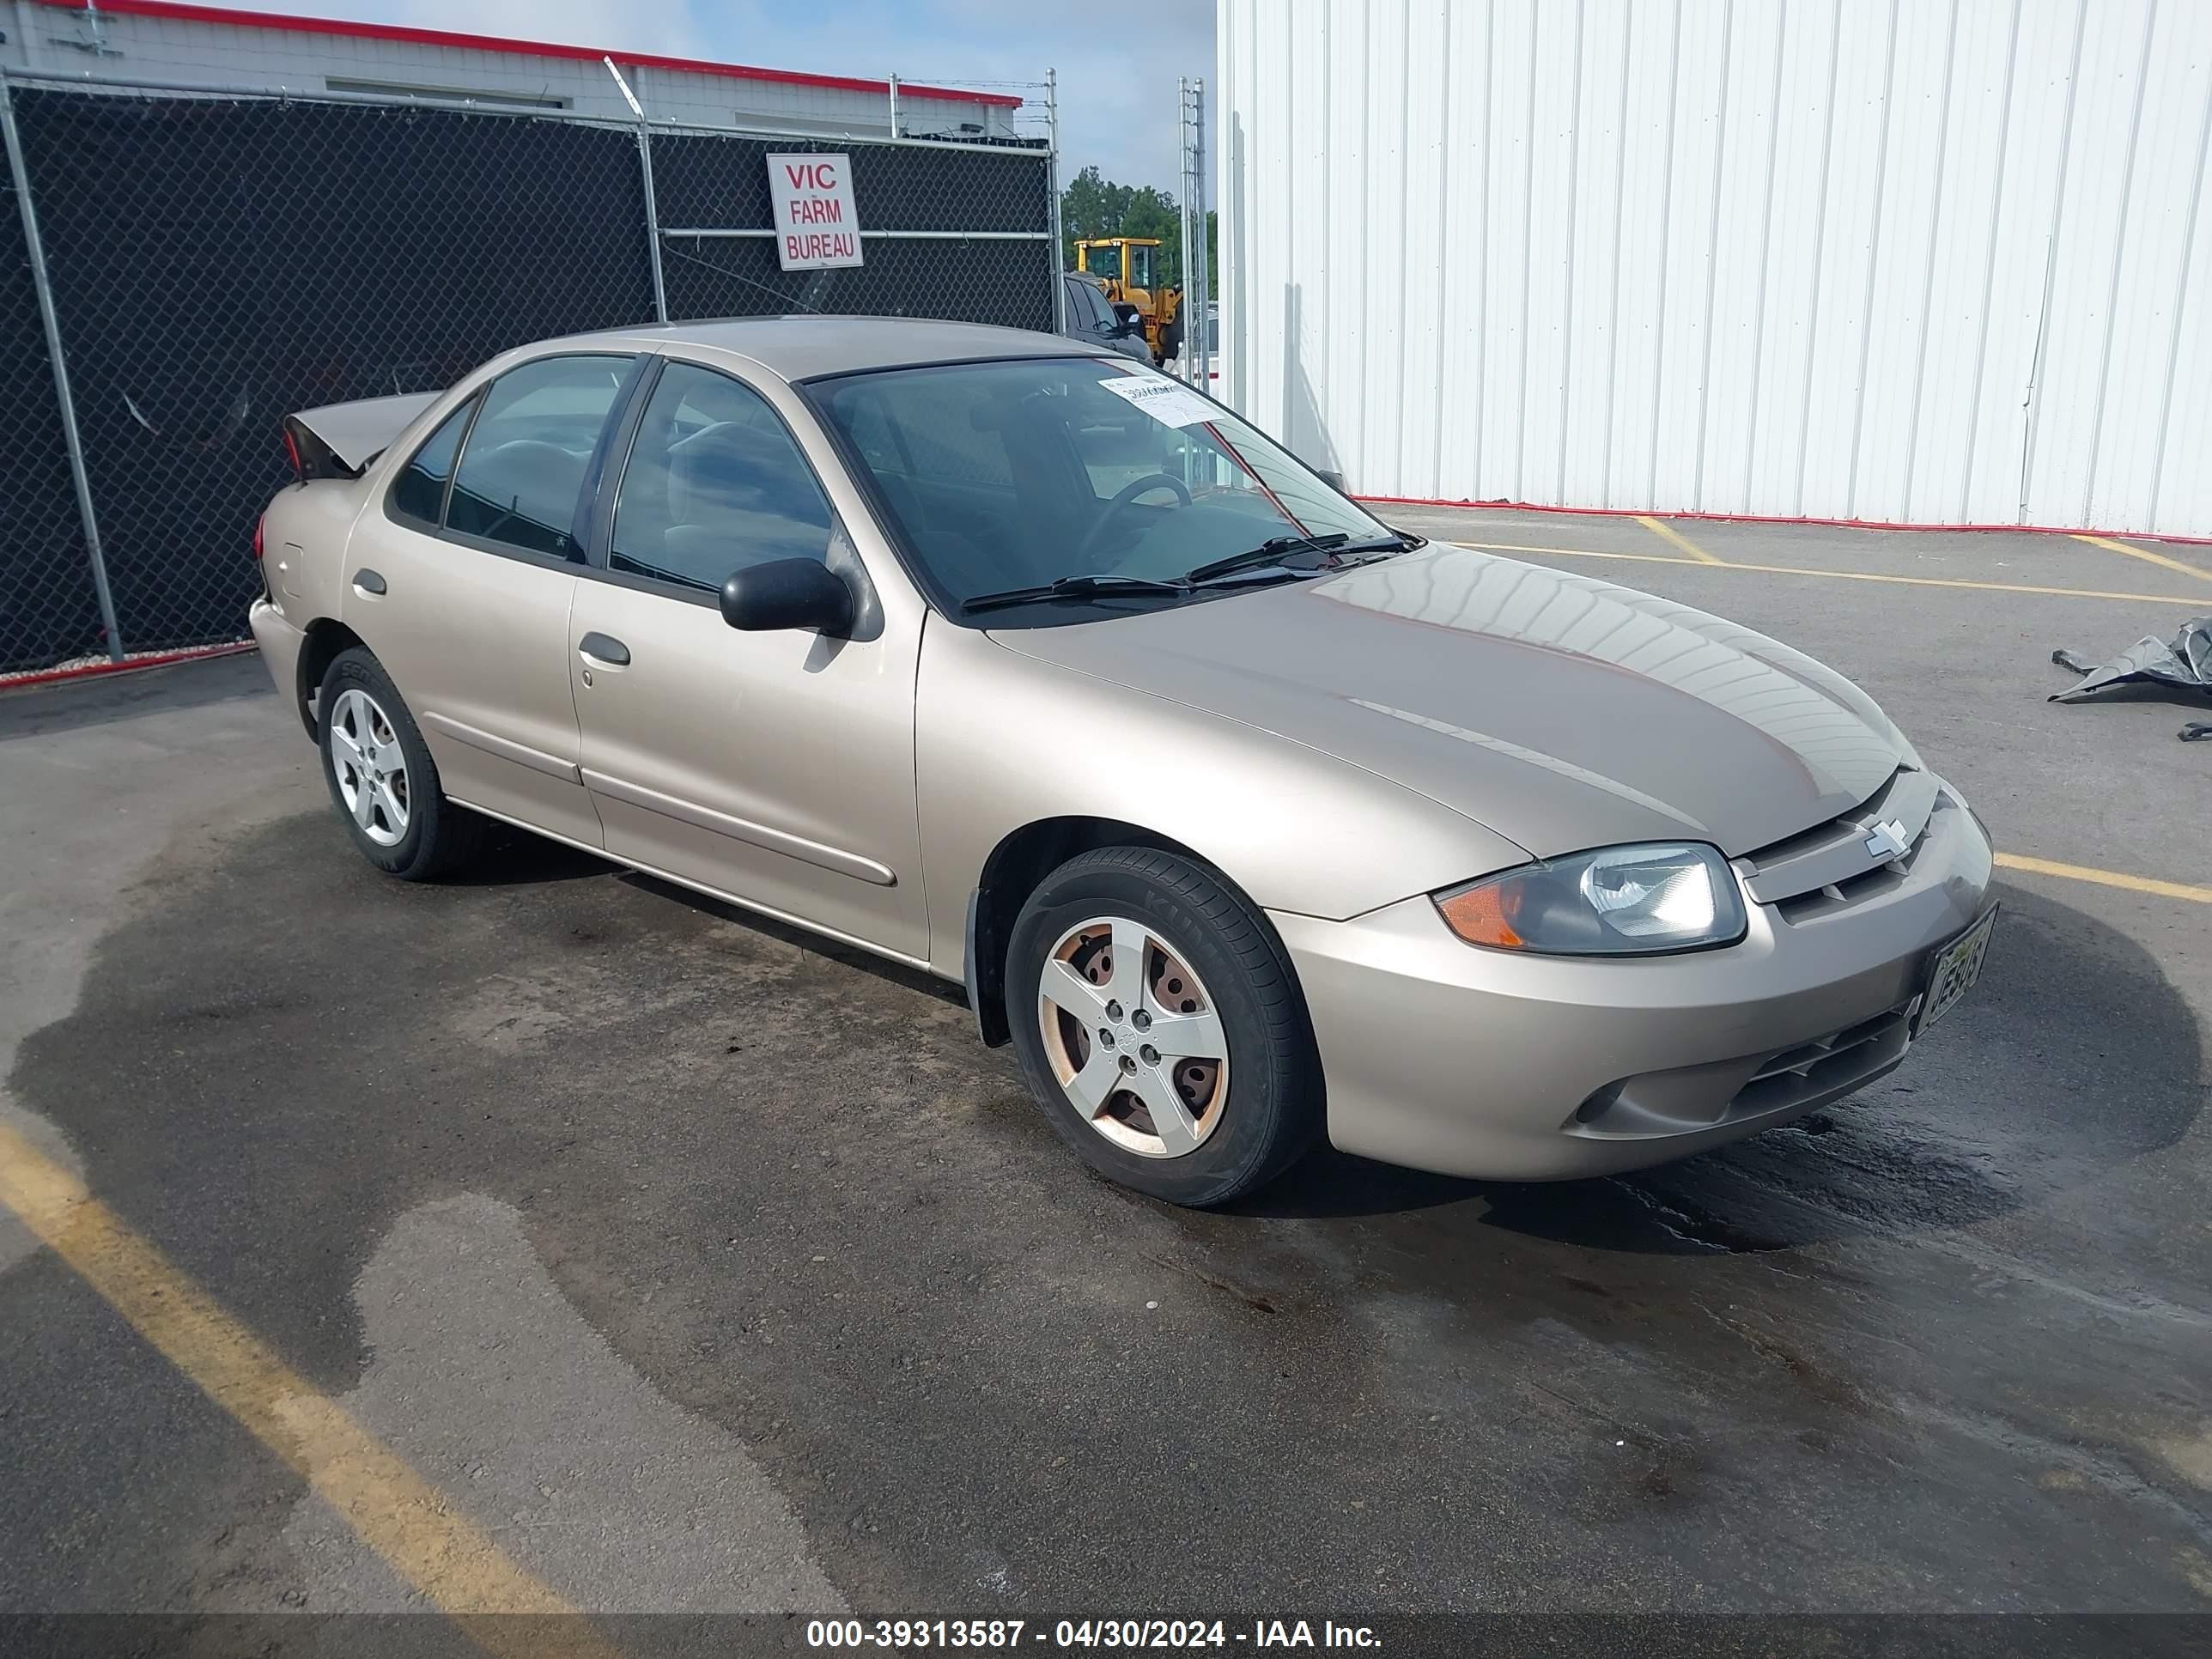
367	581
603	647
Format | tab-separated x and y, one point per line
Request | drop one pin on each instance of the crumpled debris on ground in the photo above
2184	663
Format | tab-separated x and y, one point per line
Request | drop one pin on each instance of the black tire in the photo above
1275	1105
439	836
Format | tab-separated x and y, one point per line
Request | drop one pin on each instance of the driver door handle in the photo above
602	648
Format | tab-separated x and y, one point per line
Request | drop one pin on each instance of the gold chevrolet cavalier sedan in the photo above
1243	817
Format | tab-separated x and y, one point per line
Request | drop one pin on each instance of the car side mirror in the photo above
788	593
1334	480
1128	328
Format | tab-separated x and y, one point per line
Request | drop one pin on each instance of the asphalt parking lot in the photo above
699	1267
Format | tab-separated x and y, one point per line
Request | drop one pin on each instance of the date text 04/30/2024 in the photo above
1087	1633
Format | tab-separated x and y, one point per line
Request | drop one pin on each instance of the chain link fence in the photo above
996	267
48	609
216	261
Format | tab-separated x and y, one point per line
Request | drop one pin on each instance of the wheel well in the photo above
1010	875
326	637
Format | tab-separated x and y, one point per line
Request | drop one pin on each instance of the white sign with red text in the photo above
816	227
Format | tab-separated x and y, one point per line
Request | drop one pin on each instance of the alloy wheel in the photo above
370	766
1132	1037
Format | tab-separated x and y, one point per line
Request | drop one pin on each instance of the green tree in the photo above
1094	205
1091	206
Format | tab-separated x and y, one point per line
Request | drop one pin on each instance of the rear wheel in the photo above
1157	1024
381	777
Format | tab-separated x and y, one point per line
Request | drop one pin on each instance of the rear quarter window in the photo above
418	494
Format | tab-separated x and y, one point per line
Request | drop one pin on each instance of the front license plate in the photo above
1956	967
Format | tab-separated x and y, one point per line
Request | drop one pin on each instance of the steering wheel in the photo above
1127	494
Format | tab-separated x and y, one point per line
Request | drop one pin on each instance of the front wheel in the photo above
1158	1024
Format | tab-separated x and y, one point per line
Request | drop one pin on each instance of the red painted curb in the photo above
1777	518
152	659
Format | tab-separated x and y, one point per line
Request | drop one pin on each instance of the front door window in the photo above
716	482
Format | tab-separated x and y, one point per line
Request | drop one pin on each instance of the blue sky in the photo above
1117	65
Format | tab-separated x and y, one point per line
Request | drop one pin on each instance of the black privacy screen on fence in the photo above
216	262
703	181
48	611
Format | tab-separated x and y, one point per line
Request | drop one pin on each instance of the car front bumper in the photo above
1440	1055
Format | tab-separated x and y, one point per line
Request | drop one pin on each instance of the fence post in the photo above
1196	247
1051	183
1186	358
20	175
651	221
645	172
1182	211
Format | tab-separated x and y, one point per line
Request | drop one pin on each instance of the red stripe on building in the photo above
177	11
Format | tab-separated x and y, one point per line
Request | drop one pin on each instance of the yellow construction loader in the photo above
1127	265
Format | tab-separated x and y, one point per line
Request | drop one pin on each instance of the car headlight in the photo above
1614	902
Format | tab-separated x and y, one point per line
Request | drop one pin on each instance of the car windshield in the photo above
1027	471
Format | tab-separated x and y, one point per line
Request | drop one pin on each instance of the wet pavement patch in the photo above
1946	1345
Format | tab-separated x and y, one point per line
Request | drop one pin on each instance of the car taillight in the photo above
260	528
292	449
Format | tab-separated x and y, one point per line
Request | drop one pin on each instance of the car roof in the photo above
801	347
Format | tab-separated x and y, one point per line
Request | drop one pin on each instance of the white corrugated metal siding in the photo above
1911	261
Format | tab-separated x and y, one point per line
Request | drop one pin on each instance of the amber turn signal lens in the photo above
1484	915
1637	901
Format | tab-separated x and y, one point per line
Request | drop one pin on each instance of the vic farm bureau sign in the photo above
816	227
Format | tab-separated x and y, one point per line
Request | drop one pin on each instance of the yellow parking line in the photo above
2172	890
395	1512
1667	532
2145	555
1841	575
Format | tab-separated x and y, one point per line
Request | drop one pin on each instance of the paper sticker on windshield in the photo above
1165	400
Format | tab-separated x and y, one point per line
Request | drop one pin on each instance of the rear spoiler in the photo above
339	440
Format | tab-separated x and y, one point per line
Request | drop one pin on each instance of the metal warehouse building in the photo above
1905	261
160	41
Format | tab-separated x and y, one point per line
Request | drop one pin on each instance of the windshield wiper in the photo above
1277	549
1335	545
1075	587
1271	551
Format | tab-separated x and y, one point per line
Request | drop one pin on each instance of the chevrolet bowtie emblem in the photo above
1886	841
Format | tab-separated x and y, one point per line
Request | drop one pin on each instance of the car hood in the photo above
1561	712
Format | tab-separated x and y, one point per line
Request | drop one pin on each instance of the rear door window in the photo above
521	477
